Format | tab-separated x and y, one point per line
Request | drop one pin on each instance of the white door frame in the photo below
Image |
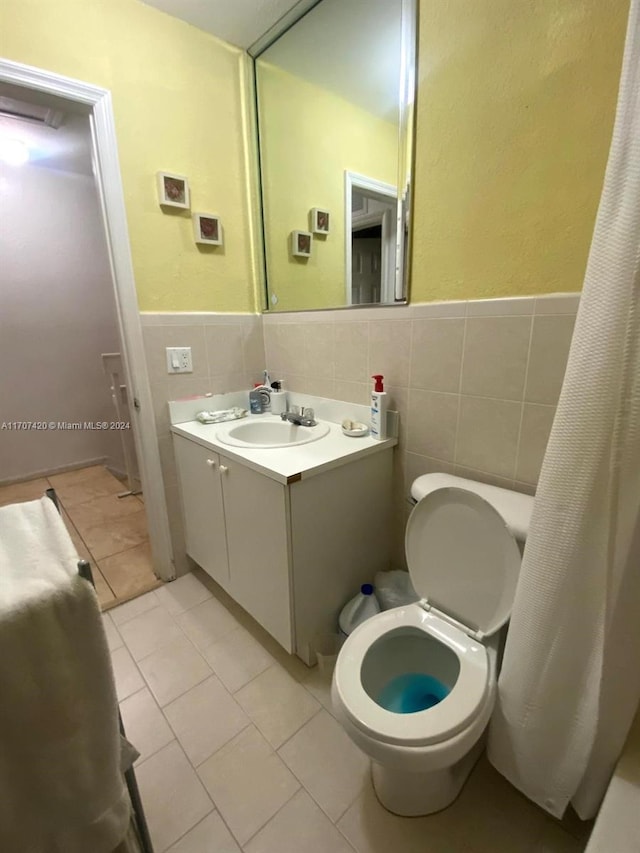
352	180
97	102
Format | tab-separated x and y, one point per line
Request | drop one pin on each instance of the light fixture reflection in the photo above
13	152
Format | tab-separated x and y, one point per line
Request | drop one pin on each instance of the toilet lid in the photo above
462	558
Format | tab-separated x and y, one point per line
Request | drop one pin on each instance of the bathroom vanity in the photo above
290	532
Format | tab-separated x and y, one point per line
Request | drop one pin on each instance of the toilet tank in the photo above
514	507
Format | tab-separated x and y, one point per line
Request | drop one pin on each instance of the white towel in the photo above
60	781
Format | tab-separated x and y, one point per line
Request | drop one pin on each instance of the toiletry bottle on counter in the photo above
378	409
278	398
255	402
260	399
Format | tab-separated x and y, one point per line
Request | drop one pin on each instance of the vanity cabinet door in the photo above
256	511
203	511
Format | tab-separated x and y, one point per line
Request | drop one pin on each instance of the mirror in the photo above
335	116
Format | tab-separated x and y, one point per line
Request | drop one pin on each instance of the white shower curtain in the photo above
570	681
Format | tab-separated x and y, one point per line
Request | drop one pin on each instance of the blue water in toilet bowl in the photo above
412	692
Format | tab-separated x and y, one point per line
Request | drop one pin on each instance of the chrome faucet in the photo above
300	416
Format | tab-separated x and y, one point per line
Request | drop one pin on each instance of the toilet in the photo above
414	687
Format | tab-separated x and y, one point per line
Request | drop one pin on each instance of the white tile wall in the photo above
476	383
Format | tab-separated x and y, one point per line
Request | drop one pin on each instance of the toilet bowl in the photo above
414	687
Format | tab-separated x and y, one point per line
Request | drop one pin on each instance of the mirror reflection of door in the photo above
371	212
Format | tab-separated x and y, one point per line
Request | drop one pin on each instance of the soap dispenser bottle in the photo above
378	409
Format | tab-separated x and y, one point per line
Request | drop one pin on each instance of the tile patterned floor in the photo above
240	751
108	531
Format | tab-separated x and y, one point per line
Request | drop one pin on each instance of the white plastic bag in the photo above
394	588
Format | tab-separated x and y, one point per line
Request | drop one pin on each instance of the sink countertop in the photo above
287	464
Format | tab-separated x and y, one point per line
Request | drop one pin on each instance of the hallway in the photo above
108	531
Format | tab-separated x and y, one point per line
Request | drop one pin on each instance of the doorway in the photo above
77	353
371	209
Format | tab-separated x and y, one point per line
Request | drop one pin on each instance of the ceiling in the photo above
350	48
240	22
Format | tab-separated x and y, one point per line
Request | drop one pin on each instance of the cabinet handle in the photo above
224	469
211	463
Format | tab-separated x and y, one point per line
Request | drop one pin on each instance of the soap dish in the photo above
356	429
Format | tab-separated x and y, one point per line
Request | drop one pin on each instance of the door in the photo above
202	507
371	211
256	511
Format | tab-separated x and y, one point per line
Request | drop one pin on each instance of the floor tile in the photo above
174	669
85	484
26	490
292	664
173	797
206	622
489	807
205	718
236	658
209	836
149	631
123	612
126	674
116	535
81	548
370	828
248	783
182	594
556	840
129	572
329	765
277	704
114	640
30	490
299	826
319	685
103	590
145	724
102	510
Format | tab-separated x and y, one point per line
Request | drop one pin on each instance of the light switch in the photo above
179	360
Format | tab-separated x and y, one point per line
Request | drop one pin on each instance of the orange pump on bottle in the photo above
378	425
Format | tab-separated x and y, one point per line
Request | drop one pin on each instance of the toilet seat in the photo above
463	559
436	724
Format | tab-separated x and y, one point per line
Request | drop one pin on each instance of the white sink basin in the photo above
270	434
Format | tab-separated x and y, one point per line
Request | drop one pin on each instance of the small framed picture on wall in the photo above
320	220
207	229
301	244
173	190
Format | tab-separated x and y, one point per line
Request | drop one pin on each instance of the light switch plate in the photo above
179	360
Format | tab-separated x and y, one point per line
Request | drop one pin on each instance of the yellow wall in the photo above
514	117
177	96
515	109
309	137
